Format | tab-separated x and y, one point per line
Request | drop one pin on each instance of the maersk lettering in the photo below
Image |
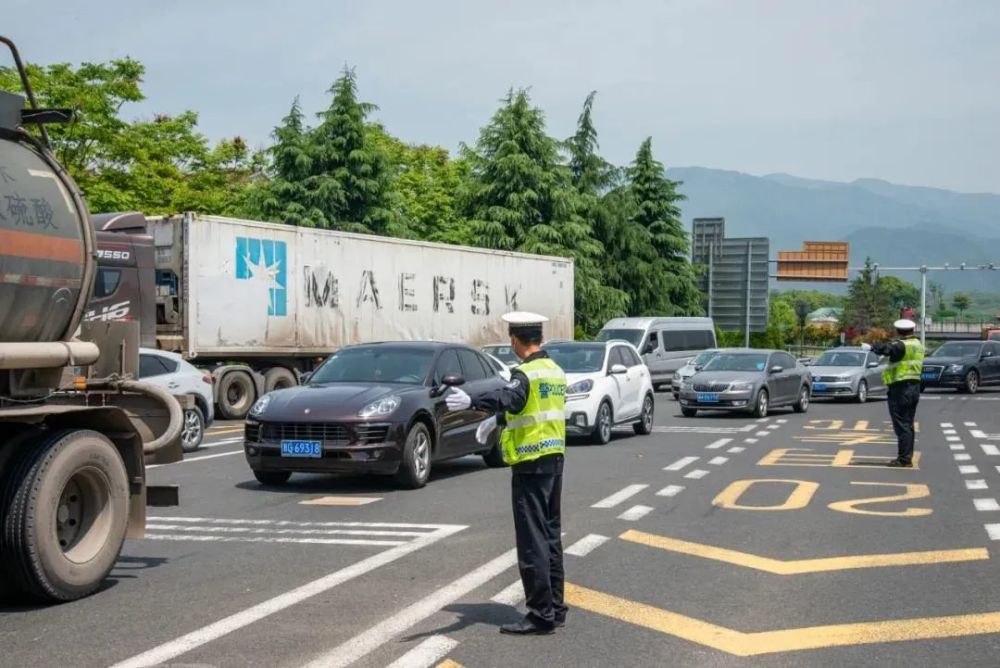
322	290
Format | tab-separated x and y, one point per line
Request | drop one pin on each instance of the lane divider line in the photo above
715	445
197	459
976	484
953	439
681	463
993	531
751	441
957	446
736	449
635	513
697	474
986	505
620	496
990	449
511	595
970	469
947	424
761	434
718	461
586	545
174	648
962	457
671	490
426	654
970	424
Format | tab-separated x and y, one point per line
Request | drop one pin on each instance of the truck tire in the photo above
237	395
63	515
279	378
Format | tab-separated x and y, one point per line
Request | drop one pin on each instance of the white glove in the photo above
485	428
458	400
866	347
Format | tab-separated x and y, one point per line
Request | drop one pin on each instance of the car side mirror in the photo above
618	369
777	368
873	365
451	380
699	367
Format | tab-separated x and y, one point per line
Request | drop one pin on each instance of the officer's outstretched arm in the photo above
511	398
894	350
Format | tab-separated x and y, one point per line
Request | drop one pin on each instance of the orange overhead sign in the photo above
817	261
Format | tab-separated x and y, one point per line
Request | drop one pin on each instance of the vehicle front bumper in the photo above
840	388
581	413
382	457
946	380
728	401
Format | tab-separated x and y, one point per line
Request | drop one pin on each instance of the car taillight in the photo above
207	378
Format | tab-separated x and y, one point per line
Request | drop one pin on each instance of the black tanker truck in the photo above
76	431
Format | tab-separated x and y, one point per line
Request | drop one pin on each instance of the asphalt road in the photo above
717	541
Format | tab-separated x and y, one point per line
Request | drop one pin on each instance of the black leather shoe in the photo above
899	463
526	628
560	623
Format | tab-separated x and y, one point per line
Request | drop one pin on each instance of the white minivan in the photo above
665	343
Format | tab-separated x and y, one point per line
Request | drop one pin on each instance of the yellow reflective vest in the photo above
908	368
540	428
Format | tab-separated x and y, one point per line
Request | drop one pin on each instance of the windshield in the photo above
375	364
737	362
577	357
633	336
703	358
503	353
841	359
958	350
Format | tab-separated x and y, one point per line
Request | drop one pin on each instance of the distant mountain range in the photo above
894	225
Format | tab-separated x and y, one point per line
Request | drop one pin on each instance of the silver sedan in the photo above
848	373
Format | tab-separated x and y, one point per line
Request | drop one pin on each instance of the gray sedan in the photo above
849	373
749	381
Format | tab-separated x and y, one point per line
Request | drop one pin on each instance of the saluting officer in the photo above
906	360
531	410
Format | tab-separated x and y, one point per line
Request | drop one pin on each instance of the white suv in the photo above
607	385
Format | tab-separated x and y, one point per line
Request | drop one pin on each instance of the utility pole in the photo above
746	334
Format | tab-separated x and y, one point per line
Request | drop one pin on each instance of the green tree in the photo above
961	302
519	196
900	293
654	207
814	298
867	305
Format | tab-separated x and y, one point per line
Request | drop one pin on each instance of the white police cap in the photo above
904	325
524	319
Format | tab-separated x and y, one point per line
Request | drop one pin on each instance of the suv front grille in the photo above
711	387
936	370
329	434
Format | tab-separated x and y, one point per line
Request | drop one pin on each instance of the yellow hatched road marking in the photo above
803	566
840	459
739	643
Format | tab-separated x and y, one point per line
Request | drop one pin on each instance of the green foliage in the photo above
961	302
900	293
868	304
814	298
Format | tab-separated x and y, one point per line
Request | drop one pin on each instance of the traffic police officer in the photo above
531	409
906	357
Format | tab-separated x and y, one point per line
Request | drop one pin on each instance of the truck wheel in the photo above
236	395
416	466
279	378
63	515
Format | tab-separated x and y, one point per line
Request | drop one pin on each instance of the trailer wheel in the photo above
63	515
278	378
236	395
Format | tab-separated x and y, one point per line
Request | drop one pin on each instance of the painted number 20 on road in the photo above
802	491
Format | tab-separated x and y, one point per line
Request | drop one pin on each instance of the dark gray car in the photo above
750	381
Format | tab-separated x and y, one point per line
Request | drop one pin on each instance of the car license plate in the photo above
708	397
819	387
302	449
929	375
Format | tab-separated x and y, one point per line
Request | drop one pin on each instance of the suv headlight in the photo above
740	386
260	405
383	406
580	387
956	368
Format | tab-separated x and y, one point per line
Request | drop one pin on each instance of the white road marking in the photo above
381	525
197	459
677	429
993	531
957	446
953	439
374	637
763	419
751	441
512	594
947	425
989	449
174	648
949	432
635	513
715	445
782	421
671	490
681	463
969	469
697	474
976	484
986	505
224	441
426	654
736	449
195	538
620	496
773	426
762	433
586	545
718	461
962	457
970	424
748	427
287	532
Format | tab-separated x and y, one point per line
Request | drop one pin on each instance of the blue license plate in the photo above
302	449
708	398
929	376
819	387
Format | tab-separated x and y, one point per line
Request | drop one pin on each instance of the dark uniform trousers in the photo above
536	491
903	399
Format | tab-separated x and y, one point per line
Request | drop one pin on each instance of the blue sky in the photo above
903	90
